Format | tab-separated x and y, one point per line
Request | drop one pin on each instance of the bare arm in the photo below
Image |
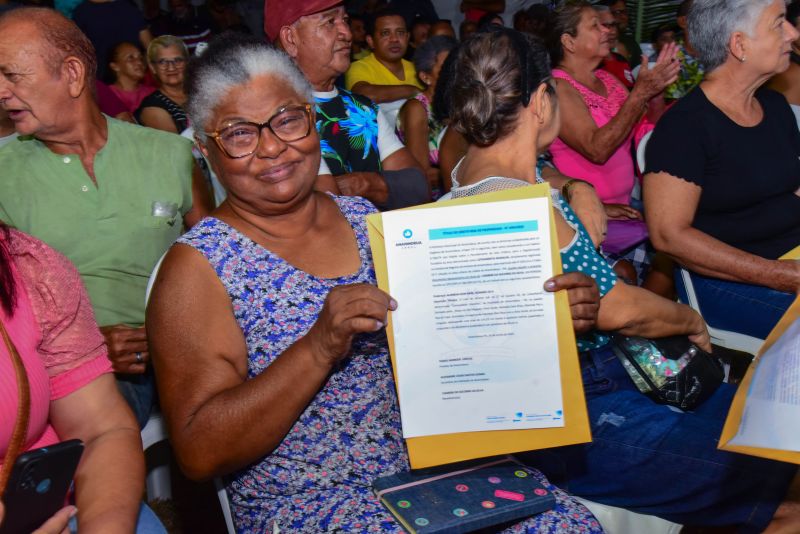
385	93
599	144
414	119
110	478
369	185
452	148
202	199
159	119
415	130
200	357
633	311
671	206
400	159
584	200
145	37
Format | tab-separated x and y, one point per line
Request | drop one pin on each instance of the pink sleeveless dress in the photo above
54	331
613	180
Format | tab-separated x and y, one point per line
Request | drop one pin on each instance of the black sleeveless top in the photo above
158	99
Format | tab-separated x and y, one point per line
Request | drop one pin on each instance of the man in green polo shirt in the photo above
109	195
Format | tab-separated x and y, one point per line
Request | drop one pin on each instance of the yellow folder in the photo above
441	449
737	407
793	254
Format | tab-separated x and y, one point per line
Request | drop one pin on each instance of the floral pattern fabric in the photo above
319	478
348	130
689	77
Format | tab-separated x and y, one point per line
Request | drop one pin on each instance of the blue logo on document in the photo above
407	233
517	417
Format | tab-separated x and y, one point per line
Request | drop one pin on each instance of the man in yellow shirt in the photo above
384	76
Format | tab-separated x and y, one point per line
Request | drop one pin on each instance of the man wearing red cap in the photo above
359	147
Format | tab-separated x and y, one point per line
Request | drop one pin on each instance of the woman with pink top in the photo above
46	312
127	70
598	113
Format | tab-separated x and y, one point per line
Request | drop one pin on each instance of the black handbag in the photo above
670	370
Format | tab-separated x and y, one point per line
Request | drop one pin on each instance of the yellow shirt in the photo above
372	71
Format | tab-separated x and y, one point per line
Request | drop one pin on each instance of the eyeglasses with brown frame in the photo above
240	139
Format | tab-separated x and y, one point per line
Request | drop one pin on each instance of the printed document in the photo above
772	406
475	335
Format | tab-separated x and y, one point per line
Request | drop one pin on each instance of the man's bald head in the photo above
56	36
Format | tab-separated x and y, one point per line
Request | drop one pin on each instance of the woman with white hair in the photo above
265	324
722	189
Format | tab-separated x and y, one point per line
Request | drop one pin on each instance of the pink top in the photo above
132	99
614	179
54	331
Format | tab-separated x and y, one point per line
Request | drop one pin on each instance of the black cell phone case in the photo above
38	486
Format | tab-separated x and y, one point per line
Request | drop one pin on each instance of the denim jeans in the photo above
140	393
743	308
657	460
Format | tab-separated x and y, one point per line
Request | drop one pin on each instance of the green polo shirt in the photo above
112	232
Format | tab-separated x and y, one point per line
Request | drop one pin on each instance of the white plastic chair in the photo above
620	521
225	504
158	482
155	431
640	149
723	338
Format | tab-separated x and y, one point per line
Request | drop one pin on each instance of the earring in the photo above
742	59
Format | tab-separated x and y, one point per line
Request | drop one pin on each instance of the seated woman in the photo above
126	72
600	112
268	312
580	195
503	103
722	187
416	125
163	109
73	394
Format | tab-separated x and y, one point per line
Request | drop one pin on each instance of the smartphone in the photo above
38	485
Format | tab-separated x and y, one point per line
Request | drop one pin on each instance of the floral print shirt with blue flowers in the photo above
348	130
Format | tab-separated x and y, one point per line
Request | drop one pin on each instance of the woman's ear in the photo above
738	46
542	104
568	42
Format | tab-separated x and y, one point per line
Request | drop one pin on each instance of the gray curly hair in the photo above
229	61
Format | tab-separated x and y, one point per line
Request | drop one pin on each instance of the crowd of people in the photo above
234	170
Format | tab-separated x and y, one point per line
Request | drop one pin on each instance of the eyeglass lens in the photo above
242	138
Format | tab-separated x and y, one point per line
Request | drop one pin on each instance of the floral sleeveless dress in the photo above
319	478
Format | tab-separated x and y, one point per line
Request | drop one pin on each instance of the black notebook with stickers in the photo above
464	499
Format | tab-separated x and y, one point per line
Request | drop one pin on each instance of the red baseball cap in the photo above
280	13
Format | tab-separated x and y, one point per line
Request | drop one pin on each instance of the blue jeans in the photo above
655	460
743	308
140	393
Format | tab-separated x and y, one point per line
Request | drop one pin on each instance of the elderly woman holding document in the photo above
267	331
644	456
